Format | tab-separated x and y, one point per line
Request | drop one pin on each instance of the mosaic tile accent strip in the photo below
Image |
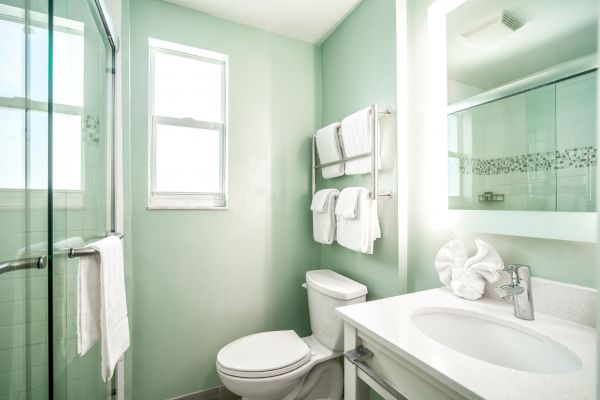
580	157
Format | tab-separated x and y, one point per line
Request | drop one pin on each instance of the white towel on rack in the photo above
357	135
102	310
323	209
328	148
360	231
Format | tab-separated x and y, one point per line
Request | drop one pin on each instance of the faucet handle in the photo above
518	272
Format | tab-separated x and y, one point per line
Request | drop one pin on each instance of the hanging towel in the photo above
328	148
323	208
468	276
357	231
357	136
103	303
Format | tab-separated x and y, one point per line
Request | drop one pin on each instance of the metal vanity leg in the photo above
354	387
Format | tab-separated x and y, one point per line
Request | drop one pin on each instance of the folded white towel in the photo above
328	148
487	262
357	230
468	277
467	284
323	208
452	255
103	303
357	135
348	204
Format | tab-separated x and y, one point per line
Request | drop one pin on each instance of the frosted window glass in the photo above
12	56
12	148
187	88
187	160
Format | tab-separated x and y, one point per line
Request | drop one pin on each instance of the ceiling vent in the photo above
491	28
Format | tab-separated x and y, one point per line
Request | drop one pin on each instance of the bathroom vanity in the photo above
433	345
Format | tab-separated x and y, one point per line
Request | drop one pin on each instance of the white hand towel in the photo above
108	290
487	262
357	134
88	303
348	204
452	255
328	148
357	231
323	208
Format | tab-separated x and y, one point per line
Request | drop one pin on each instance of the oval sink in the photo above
496	341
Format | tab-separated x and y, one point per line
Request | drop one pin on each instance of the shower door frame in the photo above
115	202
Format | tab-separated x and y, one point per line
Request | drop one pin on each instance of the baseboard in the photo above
217	393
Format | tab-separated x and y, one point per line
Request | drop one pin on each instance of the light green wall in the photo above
204	278
564	261
359	69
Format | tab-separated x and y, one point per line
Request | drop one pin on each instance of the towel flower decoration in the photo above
467	276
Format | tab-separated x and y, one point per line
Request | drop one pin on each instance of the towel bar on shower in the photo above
23	263
89	251
374	160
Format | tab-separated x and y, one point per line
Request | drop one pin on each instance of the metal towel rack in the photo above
374	154
358	356
40	262
89	251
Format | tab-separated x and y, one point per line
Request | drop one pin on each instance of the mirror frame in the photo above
572	226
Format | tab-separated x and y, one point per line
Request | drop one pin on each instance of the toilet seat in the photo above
264	355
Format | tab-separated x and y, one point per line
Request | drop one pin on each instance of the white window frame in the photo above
66	198
186	200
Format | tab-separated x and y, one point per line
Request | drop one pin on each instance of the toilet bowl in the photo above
279	365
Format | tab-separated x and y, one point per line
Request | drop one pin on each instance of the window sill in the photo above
186	202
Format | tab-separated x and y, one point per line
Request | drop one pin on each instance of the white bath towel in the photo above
357	232
468	277
103	303
357	135
323	209
328	148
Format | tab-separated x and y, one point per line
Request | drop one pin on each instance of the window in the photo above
187	127
25	166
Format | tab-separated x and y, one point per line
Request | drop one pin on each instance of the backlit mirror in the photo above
522	105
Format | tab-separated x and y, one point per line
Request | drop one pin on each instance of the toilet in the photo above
280	365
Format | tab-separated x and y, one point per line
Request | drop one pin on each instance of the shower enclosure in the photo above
534	150
56	188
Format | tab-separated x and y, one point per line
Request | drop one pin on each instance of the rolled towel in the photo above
329	149
487	262
467	284
452	255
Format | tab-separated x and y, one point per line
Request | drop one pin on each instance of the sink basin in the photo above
496	341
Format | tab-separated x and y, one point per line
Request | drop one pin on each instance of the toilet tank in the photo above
328	290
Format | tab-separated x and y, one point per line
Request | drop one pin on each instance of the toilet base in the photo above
325	381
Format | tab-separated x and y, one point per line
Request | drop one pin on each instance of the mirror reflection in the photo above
522	105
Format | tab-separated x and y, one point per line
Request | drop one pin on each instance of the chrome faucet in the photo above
520	291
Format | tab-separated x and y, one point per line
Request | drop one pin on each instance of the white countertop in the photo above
389	322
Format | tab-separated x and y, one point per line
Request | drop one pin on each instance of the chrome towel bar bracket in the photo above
24	263
88	251
358	356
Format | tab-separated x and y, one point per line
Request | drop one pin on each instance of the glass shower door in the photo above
24	346
82	185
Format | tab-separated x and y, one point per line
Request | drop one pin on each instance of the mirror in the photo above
521	117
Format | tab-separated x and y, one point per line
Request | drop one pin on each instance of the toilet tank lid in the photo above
335	285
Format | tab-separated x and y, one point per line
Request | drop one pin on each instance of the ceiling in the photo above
307	20
554	31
